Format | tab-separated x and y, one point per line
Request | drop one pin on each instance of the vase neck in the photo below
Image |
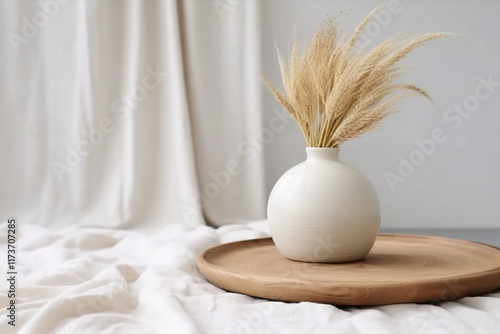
322	153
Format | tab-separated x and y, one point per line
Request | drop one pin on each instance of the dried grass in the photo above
336	93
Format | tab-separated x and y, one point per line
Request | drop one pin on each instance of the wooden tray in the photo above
399	269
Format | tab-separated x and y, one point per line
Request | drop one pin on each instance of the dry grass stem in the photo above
336	93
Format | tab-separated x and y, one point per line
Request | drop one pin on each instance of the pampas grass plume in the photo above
336	93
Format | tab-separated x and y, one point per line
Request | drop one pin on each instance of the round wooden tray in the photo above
399	269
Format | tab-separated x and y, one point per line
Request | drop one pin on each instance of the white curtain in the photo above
130	114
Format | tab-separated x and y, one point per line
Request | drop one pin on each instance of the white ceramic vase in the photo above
323	210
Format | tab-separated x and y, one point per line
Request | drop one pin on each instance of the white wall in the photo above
459	184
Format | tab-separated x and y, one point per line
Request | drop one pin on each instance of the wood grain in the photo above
399	269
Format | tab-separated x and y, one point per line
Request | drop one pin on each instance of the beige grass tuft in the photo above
336	93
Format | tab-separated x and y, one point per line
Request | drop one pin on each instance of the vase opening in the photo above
323	153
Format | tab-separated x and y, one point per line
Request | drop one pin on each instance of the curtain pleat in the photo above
221	49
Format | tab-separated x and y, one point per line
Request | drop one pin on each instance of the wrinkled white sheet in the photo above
78	280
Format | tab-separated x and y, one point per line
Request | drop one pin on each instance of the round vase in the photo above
323	210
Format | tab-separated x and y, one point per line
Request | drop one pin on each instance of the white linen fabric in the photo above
129	114
87	280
